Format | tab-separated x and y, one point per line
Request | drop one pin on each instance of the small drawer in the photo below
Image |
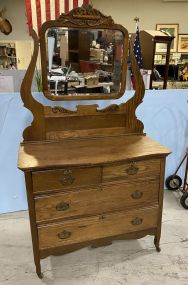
107	198
132	169
46	181
109	225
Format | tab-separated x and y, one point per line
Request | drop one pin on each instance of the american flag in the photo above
137	52
39	11
137	48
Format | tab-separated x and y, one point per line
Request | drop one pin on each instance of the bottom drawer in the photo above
85	229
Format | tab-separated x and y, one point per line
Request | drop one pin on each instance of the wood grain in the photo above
32	218
161	193
103	198
145	168
96	227
92	176
87	152
59	250
37	129
44	181
99	132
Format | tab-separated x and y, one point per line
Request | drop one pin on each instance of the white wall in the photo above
16	15
123	12
150	13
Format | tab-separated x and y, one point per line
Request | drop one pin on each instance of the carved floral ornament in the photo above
86	15
93	109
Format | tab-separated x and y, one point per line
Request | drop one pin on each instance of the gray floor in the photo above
123	262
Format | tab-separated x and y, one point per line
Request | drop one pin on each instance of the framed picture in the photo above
183	43
170	30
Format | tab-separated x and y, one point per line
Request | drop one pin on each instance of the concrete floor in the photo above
124	262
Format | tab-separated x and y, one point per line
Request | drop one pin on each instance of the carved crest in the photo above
59	109
86	16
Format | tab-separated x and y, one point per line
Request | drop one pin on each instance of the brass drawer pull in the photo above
64	234
137	221
132	169
62	206
137	194
68	179
102	217
99	188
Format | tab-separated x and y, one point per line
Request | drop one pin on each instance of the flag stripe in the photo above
80	2
66	6
57	8
38	12
34	14
52	9
70	5
29	14
75	3
62	6
48	14
43	11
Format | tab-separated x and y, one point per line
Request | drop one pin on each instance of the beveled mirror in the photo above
83	56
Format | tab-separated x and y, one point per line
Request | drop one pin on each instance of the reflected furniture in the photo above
92	175
151	43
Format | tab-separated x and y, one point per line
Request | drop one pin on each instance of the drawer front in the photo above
104	198
65	178
132	169
80	230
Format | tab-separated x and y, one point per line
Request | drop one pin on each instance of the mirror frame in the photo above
84	17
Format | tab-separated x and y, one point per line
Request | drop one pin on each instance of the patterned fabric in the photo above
39	11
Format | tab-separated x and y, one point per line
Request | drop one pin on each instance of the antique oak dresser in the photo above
92	175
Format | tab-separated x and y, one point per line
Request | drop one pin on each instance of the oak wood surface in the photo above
55	122
98	132
44	181
161	194
143	168
32	218
109	197
80	230
101	241
92	176
87	152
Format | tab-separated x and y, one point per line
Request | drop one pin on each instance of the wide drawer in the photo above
64	178
103	198
80	230
132	169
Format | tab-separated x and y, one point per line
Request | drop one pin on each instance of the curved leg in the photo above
156	243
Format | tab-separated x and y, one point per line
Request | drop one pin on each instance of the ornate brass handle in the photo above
64	234
100	188
102	217
62	206
137	194
137	221
68	179
132	169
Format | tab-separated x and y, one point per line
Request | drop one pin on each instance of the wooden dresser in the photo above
92	175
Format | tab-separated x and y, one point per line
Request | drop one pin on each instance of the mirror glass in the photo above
83	61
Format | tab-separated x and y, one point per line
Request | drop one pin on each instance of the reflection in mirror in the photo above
84	61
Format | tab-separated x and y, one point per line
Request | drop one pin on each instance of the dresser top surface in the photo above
87	152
